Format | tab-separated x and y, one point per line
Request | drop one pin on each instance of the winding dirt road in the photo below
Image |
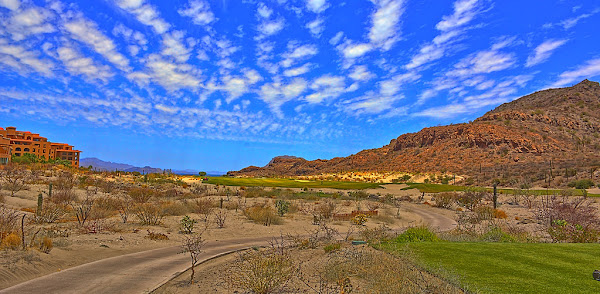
132	273
142	272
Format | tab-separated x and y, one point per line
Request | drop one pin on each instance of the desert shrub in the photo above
445	199
63	197
359	219
325	210
282	207
8	221
186	225
358	194
141	195
204	207
483	212
11	241
262	214
582	184
83	209
148	213
45	245
570	219
377	234
65	181
417	234
221	218
499	213
51	212
254	192
262	271
332	247
156	236
496	234
174	208
470	198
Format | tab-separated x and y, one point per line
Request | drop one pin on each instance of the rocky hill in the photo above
537	137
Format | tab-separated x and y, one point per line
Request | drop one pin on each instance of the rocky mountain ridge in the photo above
528	137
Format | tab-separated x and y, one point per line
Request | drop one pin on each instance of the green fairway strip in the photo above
289	183
515	267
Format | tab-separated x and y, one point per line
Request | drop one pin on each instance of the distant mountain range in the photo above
538	136
101	165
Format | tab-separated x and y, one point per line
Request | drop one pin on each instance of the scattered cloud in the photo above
87	32
316	27
543	51
145	13
571	22
276	94
23	60
385	30
451	27
317	6
199	11
292	72
588	70
10	4
326	88
77	64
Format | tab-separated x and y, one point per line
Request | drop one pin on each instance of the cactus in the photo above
40	204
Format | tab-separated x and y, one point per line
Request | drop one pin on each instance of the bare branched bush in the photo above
220	218
14	178
263	214
193	245
263	271
8	221
445	199
83	208
204	207
471	198
65	181
63	197
148	213
570	219
51	212
141	195
125	207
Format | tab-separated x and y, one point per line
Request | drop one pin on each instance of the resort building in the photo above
18	143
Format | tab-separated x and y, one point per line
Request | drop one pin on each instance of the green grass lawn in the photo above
514	267
289	183
438	188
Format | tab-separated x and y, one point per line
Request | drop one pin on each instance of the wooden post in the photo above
23	231
495	196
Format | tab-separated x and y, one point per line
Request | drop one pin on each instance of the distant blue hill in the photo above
101	165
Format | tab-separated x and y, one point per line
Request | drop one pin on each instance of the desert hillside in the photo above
536	137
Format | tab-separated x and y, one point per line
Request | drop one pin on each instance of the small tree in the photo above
202	174
15	178
83	209
193	245
282	207
187	225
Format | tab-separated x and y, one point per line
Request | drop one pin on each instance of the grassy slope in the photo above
516	267
289	183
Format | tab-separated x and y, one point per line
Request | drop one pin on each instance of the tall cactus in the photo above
40	204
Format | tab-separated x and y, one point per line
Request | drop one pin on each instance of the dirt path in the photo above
141	272
437	218
132	273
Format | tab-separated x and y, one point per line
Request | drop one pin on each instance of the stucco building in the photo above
18	143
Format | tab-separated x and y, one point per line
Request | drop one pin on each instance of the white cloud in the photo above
269	28
264	11
30	21
326	88
483	62
316	27
199	11
296	53
87	33
355	50
77	64
317	6
171	76
10	4
135	39
450	27
292	72
145	13
571	22
589	70
336	39
276	94
543	52
22	59
172	45
361	73
385	32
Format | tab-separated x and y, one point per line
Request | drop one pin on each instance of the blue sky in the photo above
220	85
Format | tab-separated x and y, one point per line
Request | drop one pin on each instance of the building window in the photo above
70	158
18	149
26	149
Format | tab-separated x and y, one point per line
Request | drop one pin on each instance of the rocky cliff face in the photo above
555	128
